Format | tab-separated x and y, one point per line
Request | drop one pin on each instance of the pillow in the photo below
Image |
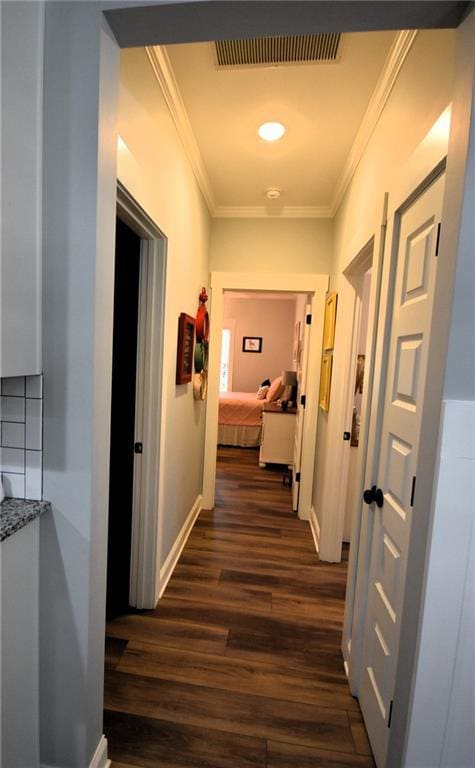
275	390
262	392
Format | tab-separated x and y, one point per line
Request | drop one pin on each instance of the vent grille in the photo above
278	50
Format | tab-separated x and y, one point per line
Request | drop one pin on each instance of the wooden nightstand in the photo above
278	432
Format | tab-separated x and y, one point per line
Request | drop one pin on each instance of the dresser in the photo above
278	434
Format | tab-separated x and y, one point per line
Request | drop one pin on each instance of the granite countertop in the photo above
16	513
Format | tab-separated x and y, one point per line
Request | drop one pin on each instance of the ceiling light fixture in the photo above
271	131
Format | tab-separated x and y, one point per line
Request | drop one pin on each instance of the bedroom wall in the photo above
274	320
421	93
271	245
153	167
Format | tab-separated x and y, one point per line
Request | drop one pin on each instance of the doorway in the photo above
356	403
313	285
123	405
138	392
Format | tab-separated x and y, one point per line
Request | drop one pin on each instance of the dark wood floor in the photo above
240	664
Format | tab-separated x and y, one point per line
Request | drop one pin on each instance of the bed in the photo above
240	419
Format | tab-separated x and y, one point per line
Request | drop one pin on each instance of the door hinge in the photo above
303	400
437	242
390	713
297	477
138	448
308	319
413	490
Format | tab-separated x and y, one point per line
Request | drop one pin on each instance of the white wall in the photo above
79	197
154	169
271	245
274	321
421	93
442	726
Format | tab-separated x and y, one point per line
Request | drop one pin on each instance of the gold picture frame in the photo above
325	381
330	320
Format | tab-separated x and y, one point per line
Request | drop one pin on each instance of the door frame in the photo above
302	368
370	256
147	507
313	284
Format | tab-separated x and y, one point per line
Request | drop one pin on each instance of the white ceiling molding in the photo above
397	55
271	212
164	73
162	68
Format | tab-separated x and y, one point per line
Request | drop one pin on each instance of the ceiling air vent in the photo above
278	50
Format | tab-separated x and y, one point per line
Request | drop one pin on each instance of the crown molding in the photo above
396	57
268	212
163	71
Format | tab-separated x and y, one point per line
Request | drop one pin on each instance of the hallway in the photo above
240	664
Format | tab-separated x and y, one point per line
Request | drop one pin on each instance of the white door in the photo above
302	365
416	247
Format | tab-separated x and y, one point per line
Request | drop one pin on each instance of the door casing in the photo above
147	502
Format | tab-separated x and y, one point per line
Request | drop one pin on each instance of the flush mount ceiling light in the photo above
273	193
271	131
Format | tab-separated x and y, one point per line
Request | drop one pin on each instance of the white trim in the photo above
269	212
100	759
163	71
317	285
314	527
148	502
397	55
174	555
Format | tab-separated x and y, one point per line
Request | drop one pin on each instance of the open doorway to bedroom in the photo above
262	378
265	343
262	340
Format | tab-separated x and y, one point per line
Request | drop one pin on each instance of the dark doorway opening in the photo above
124	374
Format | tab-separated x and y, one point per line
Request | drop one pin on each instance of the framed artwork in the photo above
329	324
355	424
252	343
184	357
325	381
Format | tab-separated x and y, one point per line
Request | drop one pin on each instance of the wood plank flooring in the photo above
240	665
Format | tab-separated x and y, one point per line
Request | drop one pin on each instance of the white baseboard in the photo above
315	528
99	760
173	556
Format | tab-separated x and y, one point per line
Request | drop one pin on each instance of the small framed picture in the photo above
184	358
325	381
252	343
330	319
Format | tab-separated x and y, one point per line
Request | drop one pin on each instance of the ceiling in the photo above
322	106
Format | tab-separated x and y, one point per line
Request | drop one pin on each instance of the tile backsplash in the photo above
21	436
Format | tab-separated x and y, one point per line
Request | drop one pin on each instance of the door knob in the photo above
373	494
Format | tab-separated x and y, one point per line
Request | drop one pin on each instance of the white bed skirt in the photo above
241	436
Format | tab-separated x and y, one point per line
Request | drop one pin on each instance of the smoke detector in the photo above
273	193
